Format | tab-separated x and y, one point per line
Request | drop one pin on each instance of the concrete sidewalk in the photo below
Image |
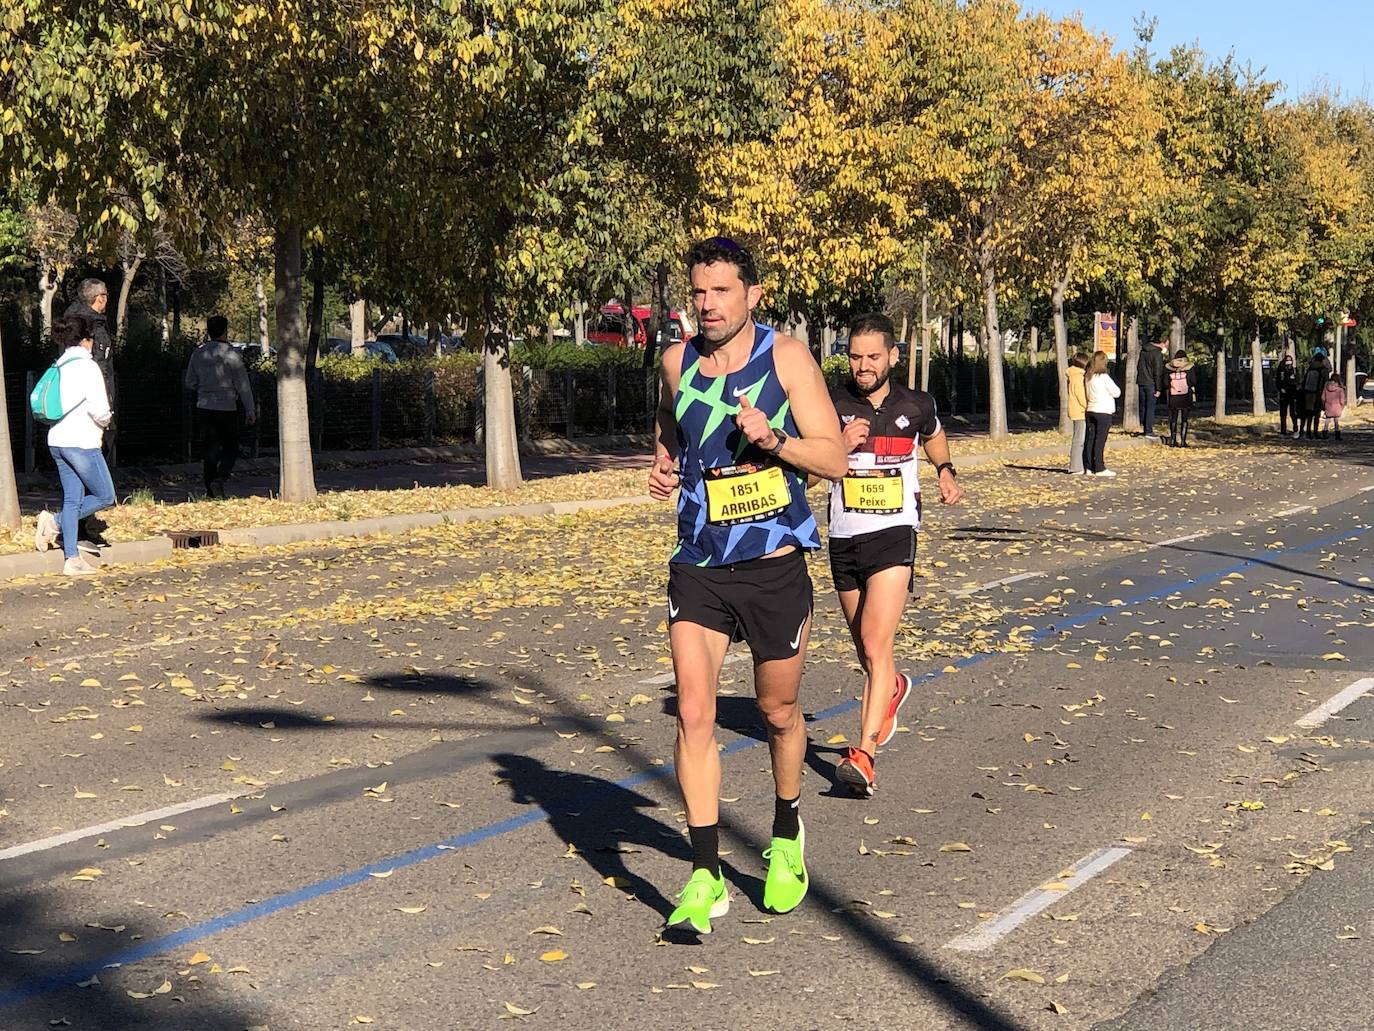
425	467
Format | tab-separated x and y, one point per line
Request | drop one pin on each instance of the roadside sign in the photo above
1104	333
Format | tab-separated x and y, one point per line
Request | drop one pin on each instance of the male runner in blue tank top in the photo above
745	412
875	513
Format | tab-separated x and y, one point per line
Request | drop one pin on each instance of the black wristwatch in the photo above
947	465
783	438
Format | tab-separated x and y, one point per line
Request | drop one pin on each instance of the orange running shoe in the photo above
855	771
899	697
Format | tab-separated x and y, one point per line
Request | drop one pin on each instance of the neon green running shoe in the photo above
787	881
704	899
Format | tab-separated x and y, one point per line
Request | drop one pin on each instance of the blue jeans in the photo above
86	489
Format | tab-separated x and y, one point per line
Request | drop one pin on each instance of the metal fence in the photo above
409	406
155	420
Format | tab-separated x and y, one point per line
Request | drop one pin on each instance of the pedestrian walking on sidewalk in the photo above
218	377
1102	393
1314	379
1286	390
1078	410
75	441
1149	373
1333	404
1182	381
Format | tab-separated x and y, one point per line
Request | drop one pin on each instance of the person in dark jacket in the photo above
1181	383
1286	390
1314	379
92	297
1149	377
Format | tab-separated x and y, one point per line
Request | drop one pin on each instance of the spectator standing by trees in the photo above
1149	375
1314	379
74	441
1102	393
1286	391
1078	410
1333	403
1182	381
219	379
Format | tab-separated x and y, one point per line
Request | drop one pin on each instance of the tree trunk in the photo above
1034	347
9	488
1220	354
926	347
580	325
630	318
264	339
126	286
997	392
163	312
1131	413
48	280
1256	375
502	447
1352	396
314	328
293	417
357	324
1177	336
1061	348
658	316
916	334
176	310
925	324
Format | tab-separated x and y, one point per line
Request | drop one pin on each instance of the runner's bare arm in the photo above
662	480
937	452
818	451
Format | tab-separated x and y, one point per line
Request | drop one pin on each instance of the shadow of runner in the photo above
29	999
601	820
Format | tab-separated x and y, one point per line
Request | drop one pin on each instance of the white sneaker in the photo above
77	567
1106	472
1297	435
47	531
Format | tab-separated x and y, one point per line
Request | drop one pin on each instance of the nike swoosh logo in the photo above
796	641
673	610
741	391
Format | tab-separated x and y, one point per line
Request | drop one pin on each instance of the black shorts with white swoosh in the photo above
764	602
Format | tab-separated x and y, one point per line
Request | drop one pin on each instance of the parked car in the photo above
376	349
609	327
412	346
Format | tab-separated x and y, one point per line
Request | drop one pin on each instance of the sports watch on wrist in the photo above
947	465
783	438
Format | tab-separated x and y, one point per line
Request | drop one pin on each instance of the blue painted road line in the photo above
197	932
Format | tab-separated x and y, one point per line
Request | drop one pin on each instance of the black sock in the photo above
705	848
787	817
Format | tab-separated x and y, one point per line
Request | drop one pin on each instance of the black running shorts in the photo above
854	559
764	602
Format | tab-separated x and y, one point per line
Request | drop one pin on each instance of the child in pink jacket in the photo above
1333	404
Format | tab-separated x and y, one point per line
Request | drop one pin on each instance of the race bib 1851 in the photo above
878	491
745	493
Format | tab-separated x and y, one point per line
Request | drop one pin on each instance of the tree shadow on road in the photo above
41	990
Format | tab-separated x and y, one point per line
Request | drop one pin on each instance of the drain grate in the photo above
194	538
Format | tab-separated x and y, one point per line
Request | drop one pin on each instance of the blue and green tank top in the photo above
737	502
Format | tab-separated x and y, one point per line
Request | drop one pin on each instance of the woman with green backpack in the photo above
72	397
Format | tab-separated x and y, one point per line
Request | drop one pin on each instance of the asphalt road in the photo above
426	782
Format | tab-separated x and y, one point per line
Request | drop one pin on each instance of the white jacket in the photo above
1102	394
85	401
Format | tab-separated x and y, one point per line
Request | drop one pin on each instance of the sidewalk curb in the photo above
157	548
